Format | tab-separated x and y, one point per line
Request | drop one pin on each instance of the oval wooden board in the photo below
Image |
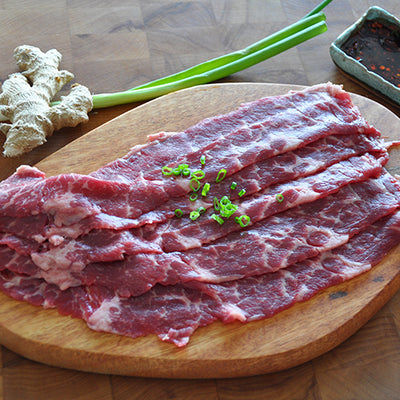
290	338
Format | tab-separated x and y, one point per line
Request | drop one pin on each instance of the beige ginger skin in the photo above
26	97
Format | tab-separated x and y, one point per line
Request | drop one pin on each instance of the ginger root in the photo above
26	97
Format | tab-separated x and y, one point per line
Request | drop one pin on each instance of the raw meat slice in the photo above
177	235
277	242
326	104
183	234
143	284
174	313
292	165
312	114
307	160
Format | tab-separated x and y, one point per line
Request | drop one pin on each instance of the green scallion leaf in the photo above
199	174
216	204
217	218
221	175
279	197
201	210
233	185
178	212
194	215
203	159
206	189
242	192
306	28
176	171
166	170
186	172
243	220
228	210
195	184
224	201
193	197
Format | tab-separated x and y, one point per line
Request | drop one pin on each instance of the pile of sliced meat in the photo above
108	248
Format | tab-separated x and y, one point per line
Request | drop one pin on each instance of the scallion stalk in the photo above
212	70
207	66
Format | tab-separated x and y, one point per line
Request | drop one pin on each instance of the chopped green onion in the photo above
194	215
228	210
233	186
178	212
201	210
242	192
206	189
193	197
186	172
224	201
199	174
217	218
216	204
279	197
203	159
176	171
306	28
221	175
243	220
195	184
166	170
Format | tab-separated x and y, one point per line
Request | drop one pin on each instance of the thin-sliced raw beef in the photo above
326	105
68	198
174	313
338	217
302	162
178	235
282	168
276	242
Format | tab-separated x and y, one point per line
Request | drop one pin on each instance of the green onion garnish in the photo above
206	189
279	197
228	210
224	201
195	184
166	170
216	204
221	175
178	212
243	220
233	186
194	215
186	172
242	192
176	171
193	197
199	174
217	218
201	210
203	159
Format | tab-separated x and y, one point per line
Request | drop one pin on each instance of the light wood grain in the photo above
227	25
217	351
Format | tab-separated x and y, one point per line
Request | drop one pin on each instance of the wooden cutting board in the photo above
286	340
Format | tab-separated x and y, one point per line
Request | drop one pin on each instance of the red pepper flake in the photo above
375	45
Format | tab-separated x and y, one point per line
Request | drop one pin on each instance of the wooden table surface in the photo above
113	45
